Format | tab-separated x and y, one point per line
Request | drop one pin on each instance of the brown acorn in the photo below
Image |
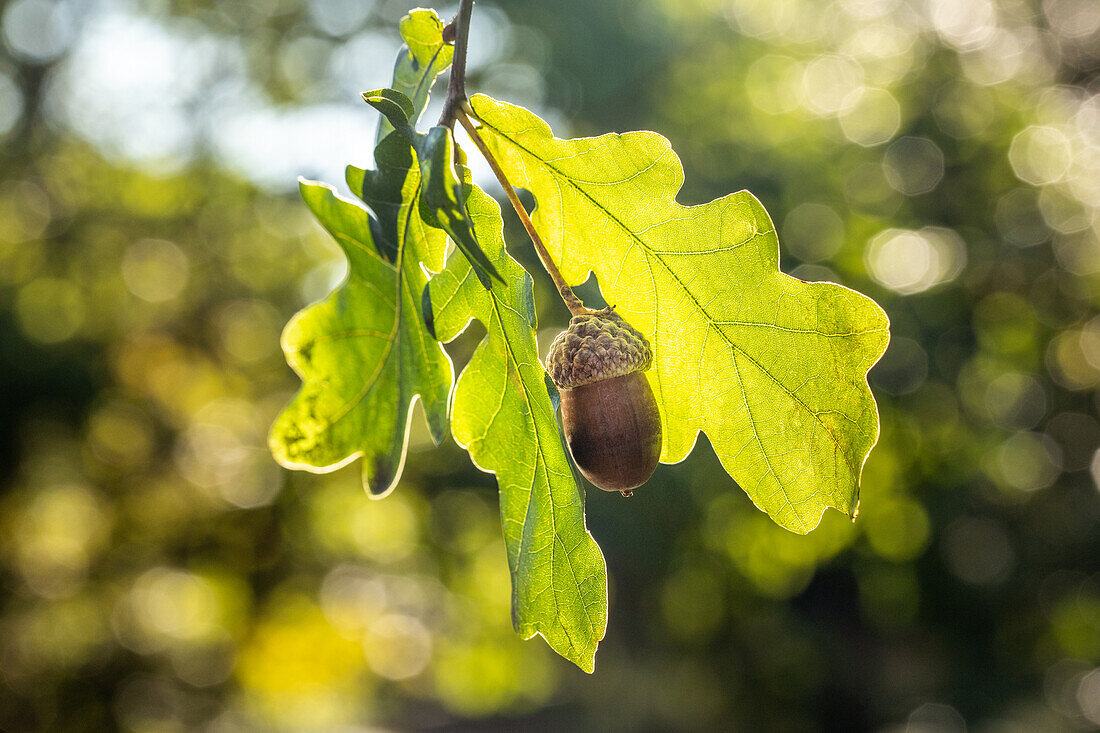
608	411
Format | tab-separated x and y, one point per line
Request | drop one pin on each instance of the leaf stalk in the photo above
572	302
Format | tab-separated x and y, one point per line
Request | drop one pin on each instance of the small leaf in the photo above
504	417
773	369
423	57
395	106
442	202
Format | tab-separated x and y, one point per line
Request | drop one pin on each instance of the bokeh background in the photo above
159	572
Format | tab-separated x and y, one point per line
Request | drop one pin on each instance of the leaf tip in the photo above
381	472
380	479
305	184
587	663
585	659
394	105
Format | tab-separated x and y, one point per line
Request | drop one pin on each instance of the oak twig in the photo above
456	107
458	30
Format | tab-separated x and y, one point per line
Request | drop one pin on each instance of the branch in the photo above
459	30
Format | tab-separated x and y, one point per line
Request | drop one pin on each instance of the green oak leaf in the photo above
503	415
423	57
363	353
771	368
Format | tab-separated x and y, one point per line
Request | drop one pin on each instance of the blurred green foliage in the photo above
159	573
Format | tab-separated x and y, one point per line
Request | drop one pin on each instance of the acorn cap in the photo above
598	345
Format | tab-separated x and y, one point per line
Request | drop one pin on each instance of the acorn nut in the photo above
608	411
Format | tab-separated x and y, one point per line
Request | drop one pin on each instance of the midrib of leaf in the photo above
654	254
649	251
540	460
823	334
541	466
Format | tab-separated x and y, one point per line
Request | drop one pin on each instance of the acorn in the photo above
608	411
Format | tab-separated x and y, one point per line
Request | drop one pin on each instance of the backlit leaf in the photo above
771	368
363	352
441	197
504	417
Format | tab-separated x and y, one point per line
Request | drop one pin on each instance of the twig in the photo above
454	108
459	29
